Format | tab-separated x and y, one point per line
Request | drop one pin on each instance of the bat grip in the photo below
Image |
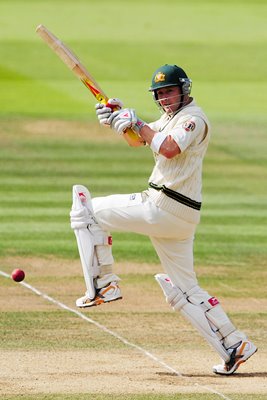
133	139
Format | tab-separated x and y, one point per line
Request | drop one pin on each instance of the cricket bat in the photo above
74	64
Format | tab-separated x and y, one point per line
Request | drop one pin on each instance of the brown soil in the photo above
124	370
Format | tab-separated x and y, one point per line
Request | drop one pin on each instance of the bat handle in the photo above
133	139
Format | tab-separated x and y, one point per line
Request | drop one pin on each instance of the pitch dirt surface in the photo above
117	368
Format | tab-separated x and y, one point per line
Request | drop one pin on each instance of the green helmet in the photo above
170	75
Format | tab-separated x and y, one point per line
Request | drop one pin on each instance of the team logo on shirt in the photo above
189	126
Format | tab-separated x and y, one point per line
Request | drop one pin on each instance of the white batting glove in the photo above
125	119
104	111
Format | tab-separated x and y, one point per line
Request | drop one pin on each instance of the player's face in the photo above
169	98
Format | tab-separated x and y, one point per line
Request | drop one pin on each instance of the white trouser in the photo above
171	236
172	239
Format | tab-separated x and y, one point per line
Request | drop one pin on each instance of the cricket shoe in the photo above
239	355
109	293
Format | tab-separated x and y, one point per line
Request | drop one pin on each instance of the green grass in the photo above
220	44
57	330
37	175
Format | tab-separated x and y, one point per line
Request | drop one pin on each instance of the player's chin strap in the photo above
206	315
94	244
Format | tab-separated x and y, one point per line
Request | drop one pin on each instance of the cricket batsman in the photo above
168	212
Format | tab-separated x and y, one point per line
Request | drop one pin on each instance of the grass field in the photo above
50	141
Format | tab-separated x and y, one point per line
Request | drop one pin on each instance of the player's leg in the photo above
204	311
91	221
94	245
173	236
130	213
136	213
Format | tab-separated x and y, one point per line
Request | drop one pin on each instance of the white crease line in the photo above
114	334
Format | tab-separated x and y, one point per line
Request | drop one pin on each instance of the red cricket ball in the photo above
18	275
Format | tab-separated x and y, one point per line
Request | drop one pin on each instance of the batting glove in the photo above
104	111
125	119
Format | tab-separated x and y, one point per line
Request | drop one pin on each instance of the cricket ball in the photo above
18	275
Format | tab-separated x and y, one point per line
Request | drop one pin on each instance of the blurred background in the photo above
50	139
221	45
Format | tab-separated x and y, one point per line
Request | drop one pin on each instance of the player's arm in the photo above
159	142
174	142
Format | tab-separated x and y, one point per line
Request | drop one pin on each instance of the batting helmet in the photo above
170	75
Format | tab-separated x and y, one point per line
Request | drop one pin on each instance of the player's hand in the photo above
122	119
104	111
125	119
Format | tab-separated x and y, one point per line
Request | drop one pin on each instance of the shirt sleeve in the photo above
155	125
187	131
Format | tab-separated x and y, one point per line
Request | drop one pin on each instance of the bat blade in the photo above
74	64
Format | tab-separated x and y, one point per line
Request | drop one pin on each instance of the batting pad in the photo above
195	314
82	206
